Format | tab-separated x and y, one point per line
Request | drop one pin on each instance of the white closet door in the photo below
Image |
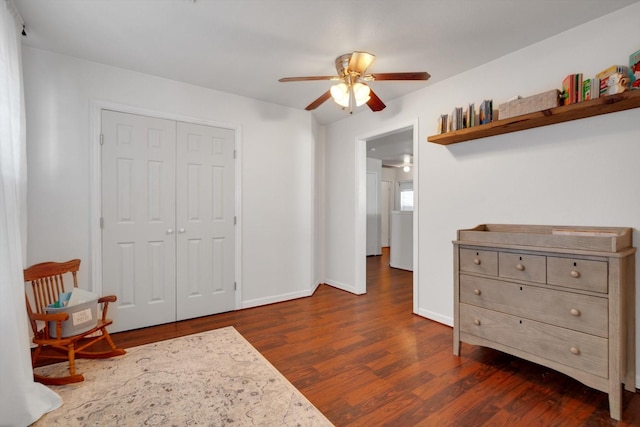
205	220
138	211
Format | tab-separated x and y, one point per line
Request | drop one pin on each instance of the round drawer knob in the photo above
575	350
477	291
476	322
476	261
520	267
575	274
575	312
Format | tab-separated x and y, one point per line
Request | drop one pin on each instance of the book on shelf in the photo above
442	123
634	68
485	112
614	83
456	121
613	79
612	70
586	89
569	89
453	119
578	95
471	115
572	90
590	89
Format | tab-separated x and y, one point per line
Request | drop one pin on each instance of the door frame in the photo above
95	183
360	220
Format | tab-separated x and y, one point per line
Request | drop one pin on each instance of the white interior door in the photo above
205	220
168	237
138	216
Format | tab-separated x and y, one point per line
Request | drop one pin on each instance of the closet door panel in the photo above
205	220
138	213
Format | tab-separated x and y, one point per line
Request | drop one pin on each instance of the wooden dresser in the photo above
562	297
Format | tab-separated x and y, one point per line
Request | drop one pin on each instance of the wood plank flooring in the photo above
368	361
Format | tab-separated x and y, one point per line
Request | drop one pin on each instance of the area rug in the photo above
215	378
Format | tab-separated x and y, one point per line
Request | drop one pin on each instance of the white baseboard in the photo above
342	286
437	317
275	298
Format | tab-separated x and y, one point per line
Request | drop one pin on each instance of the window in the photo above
406	195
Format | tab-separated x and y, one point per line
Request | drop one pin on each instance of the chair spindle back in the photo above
47	281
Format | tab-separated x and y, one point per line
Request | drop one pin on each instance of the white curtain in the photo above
22	401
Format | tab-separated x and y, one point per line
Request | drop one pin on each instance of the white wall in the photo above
583	172
277	159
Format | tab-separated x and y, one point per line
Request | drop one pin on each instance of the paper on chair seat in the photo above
78	296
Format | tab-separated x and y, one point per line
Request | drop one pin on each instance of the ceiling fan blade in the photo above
375	103
309	78
400	76
360	61
322	98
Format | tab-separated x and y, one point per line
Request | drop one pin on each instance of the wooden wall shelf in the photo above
564	113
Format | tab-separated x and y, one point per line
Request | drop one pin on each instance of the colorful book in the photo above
578	94
486	111
634	67
590	89
612	70
605	75
586	89
569	89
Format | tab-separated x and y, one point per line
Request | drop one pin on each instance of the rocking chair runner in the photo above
47	284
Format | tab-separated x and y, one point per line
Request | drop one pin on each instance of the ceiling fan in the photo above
351	87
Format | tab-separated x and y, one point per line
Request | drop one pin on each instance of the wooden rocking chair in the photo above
47	284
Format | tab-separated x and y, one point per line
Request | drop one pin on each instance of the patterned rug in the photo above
215	378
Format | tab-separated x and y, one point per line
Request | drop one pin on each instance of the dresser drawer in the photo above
576	349
578	274
532	268
582	313
482	262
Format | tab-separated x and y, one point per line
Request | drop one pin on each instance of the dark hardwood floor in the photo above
368	361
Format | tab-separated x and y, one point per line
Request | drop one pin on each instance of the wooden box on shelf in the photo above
530	104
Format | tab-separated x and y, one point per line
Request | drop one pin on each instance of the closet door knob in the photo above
182	230
170	231
520	267
575	350
575	274
575	312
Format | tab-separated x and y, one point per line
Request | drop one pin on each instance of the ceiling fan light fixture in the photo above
351	91
361	93
340	94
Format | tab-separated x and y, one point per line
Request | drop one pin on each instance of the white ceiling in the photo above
245	46
394	149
